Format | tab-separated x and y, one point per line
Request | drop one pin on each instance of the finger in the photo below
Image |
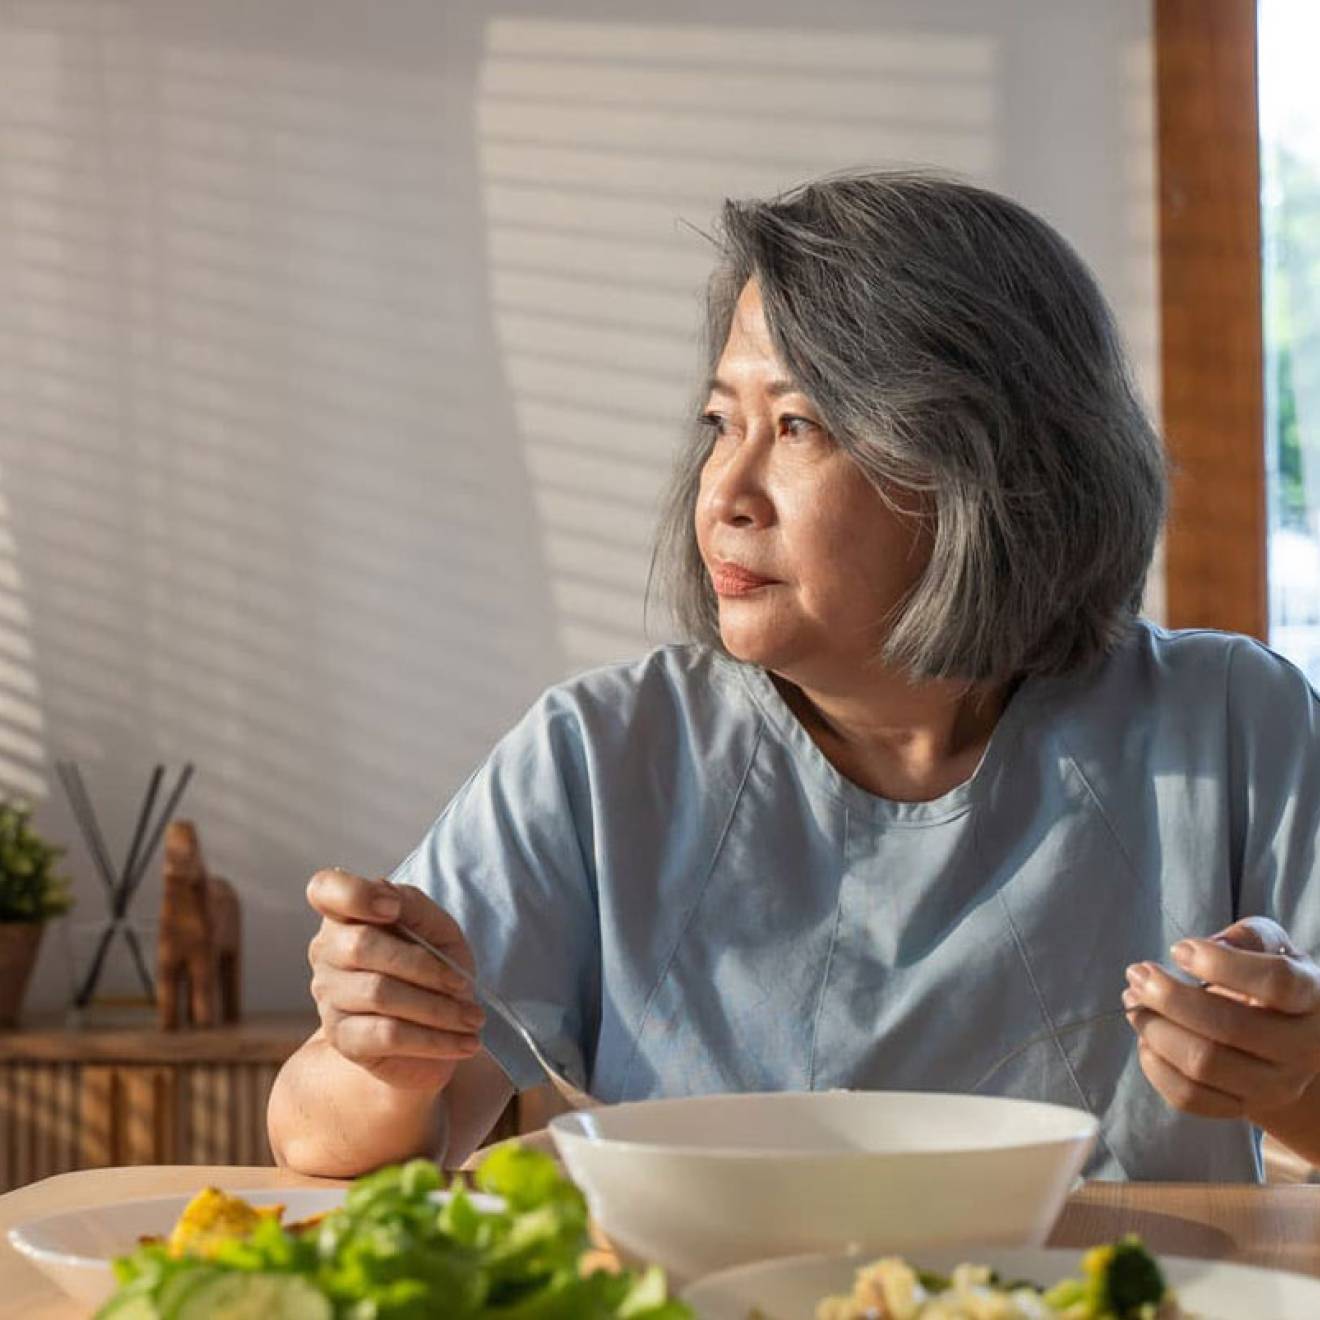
343	896
380	950
1182	1092
384	996
368	1039
1271	980
1258	934
433	923
1276	1037
1209	1063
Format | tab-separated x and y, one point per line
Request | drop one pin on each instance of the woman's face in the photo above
806	558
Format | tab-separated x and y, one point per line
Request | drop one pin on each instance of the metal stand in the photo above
121	887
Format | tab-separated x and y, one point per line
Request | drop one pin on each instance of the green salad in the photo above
392	1252
1119	1281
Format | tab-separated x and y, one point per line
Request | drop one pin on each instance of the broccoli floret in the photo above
1123	1278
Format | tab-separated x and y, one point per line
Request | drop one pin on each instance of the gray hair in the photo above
956	346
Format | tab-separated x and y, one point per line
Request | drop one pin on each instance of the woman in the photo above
925	804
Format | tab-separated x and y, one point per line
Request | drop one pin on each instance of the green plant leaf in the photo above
30	889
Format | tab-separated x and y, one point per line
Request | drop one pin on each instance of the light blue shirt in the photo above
660	869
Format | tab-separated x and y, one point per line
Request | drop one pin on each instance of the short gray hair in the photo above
955	346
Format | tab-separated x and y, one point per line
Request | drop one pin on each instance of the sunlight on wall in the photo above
22	729
256	449
596	140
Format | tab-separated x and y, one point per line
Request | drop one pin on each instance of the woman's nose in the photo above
737	494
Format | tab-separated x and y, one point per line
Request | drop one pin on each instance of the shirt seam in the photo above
829	960
1118	842
1053	1030
626	1072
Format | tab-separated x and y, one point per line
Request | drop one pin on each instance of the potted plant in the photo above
30	892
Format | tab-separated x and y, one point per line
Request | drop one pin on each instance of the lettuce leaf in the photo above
391	1252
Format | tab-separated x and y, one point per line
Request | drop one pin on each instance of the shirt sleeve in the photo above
510	860
1274	745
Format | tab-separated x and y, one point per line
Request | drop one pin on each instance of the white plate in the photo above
1211	1289
75	1247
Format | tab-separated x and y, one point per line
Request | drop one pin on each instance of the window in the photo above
1288	37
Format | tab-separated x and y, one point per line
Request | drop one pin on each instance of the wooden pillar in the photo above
1210	296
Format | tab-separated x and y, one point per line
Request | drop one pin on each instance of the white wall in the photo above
343	348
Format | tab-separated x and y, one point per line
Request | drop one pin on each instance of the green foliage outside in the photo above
30	889
1291	217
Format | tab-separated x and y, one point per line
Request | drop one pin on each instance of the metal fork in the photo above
570	1094
1052	1033
1067	1028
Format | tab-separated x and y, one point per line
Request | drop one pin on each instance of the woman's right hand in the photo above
385	1003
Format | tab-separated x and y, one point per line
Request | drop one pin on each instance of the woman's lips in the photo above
735	580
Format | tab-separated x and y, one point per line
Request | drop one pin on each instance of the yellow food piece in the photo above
887	1288
1096	1261
211	1218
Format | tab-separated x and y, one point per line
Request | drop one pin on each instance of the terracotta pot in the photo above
19	942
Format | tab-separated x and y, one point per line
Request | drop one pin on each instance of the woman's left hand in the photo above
1247	1042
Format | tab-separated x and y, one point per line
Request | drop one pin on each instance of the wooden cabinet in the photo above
82	1099
86	1099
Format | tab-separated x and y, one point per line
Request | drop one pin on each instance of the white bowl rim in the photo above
19	1240
568	1125
733	1274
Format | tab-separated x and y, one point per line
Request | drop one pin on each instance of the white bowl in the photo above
75	1247
702	1183
1207	1287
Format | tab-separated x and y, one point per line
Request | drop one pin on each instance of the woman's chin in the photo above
752	646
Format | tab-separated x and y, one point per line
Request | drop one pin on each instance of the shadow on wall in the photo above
597	140
267	512
22	727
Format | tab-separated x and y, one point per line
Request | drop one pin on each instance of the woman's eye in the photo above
712	422
796	426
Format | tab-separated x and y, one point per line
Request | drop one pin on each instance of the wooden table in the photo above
1276	1226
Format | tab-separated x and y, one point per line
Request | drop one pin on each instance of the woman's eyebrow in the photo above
775	388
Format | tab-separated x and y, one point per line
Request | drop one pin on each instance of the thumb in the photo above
427	918
1257	935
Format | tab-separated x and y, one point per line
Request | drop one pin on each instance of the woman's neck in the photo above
909	742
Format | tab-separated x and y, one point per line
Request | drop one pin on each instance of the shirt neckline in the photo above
959	800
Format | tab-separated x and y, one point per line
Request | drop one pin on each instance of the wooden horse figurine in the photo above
197	959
